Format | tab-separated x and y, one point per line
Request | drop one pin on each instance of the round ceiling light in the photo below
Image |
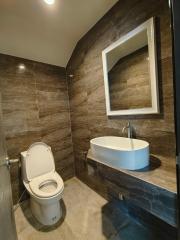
50	2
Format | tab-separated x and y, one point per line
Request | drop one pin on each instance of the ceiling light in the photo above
50	2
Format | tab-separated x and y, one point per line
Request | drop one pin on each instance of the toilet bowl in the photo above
43	183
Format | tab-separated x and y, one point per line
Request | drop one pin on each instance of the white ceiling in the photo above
33	30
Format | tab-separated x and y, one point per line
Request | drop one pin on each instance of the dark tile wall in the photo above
35	108
86	88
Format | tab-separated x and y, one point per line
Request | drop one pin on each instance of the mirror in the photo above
130	73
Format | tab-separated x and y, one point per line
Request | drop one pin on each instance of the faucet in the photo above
129	130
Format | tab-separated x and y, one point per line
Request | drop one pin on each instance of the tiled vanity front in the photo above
138	195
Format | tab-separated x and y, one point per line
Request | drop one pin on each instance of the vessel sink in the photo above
120	152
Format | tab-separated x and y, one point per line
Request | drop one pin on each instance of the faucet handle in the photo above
129	124
129	128
123	130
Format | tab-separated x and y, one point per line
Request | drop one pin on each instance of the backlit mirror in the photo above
130	73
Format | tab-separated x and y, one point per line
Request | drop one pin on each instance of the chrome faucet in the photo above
129	130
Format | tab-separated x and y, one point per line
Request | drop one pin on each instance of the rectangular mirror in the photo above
130	73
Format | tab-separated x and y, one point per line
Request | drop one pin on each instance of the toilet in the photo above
43	183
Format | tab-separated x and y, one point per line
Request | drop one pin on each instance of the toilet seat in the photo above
47	185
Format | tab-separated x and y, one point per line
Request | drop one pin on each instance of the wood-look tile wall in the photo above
86	88
35	108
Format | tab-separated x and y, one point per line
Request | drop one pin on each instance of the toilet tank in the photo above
23	166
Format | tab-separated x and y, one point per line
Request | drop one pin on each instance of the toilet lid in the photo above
39	160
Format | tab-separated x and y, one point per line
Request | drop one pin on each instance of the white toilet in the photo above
43	183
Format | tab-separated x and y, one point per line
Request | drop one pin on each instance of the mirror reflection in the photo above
130	73
126	78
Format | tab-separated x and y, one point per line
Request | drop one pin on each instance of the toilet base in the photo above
46	214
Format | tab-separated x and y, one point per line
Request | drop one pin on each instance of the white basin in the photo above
119	152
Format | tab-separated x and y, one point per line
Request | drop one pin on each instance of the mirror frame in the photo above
149	26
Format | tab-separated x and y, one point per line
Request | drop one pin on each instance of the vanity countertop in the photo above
158	173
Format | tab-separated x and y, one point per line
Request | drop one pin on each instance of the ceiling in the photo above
33	30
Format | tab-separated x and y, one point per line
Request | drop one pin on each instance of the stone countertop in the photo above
158	173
